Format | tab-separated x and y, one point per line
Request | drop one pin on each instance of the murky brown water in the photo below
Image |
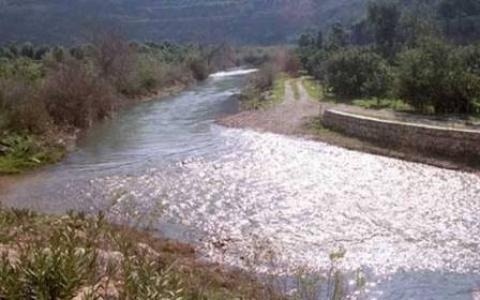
413	229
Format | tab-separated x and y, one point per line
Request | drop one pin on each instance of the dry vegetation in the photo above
77	257
47	94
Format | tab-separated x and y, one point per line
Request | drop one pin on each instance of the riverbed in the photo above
277	202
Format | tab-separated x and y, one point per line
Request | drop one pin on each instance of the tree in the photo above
358	72
337	38
440	76
306	40
319	40
27	50
461	19
383	17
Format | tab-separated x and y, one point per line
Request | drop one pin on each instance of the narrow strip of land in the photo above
288	117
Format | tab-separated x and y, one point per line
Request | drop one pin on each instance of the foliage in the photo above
384	17
338	37
438	75
46	89
78	257
400	52
358	72
19	152
263	80
76	96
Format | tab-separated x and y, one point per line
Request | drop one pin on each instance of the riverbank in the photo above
78	257
27	152
303	118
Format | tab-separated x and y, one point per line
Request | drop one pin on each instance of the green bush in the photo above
439	76
358	72
19	152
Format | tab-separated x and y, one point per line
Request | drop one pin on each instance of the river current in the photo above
280	202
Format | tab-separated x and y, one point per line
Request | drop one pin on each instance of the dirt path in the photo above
288	117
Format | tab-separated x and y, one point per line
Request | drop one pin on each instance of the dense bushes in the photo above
47	91
43	86
440	76
358	72
76	96
398	54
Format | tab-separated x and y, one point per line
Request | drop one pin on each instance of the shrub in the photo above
439	75
358	72
198	67
263	79
21	109
76	96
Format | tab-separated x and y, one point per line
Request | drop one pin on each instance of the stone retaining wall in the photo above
424	138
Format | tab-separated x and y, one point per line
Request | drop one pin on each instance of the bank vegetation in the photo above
415	57
50	93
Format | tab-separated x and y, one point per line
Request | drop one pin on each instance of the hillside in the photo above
243	21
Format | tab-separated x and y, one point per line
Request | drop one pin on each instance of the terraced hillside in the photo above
245	21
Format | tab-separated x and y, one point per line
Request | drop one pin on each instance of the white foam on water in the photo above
233	73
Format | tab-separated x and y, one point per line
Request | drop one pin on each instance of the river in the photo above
281	202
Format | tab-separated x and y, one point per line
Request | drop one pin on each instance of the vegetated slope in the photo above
243	21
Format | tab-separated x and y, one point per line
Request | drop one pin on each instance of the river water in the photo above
273	201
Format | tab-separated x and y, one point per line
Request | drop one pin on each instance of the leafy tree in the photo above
40	52
319	40
438	75
358	72
337	38
461	19
451	9
306	40
384	17
27	50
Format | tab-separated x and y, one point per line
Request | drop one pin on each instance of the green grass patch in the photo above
313	88
24	152
393	104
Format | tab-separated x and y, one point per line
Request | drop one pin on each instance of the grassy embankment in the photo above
76	257
84	258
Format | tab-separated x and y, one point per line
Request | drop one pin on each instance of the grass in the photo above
253	100
77	257
83	258
393	104
21	152
313	88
